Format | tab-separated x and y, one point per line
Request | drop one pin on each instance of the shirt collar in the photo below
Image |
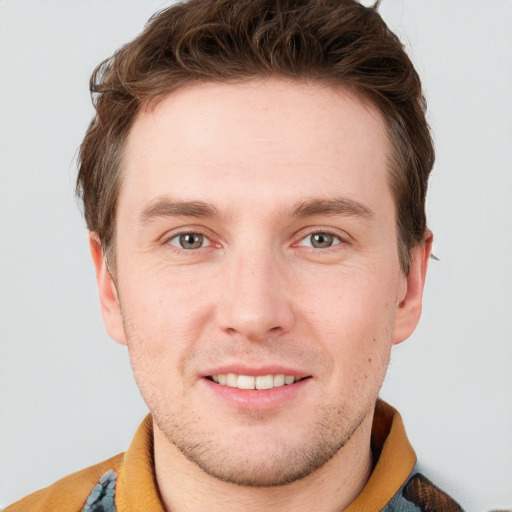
137	488
396	460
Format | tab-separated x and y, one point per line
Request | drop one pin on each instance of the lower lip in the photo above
257	399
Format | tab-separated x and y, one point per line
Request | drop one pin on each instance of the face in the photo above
258	284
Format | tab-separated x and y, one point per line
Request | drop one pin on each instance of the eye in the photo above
320	240
189	241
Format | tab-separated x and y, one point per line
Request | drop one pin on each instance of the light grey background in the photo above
67	398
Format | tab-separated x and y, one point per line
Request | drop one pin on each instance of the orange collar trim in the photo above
137	488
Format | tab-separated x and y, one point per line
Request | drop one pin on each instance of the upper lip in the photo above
255	371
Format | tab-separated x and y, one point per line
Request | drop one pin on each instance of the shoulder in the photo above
68	494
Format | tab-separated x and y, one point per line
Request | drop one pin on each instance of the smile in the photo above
251	382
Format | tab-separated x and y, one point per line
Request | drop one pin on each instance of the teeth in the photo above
265	382
279	380
249	382
244	382
231	380
289	379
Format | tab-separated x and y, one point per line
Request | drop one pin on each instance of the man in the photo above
254	183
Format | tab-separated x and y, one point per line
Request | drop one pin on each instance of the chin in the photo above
275	468
254	457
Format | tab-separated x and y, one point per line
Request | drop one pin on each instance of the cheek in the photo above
352	315
348	301
161	321
166	302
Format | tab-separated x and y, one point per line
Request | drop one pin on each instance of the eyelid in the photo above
189	230
179	235
341	236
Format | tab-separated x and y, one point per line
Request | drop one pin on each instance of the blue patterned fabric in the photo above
418	494
101	498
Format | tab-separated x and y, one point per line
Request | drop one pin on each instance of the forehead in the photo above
273	139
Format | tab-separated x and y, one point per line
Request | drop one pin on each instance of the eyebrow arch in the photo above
335	206
168	207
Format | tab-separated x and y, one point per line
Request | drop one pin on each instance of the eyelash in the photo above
190	232
211	243
322	232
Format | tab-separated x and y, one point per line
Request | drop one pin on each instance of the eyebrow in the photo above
168	207
334	206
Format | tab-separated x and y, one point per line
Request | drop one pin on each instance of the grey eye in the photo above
320	240
189	241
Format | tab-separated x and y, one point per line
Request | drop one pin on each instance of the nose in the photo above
256	302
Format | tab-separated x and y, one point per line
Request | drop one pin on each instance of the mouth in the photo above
270	381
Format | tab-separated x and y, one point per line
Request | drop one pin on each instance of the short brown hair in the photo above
337	42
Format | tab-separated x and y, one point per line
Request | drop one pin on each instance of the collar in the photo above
396	460
137	488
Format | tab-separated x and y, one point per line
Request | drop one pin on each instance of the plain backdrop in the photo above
67	397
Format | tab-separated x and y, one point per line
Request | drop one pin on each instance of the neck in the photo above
184	487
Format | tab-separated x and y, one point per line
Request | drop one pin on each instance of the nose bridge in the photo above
255	301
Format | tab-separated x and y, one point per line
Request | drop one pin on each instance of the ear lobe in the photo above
408	311
110	308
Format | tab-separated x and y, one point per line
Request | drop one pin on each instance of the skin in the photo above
266	165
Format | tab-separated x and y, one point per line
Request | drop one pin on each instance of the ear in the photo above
408	311
110	308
